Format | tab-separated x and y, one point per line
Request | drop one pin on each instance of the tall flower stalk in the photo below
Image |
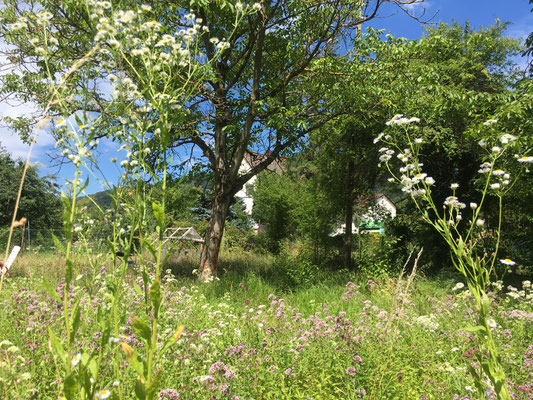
152	70
463	243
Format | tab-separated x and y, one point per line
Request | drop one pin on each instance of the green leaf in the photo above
155	296
57	347
133	358
75	319
159	214
473	372
85	184
85	380
52	292
70	387
140	389
145	276
475	329
67	224
57	243
111	286
106	334
78	119
137	289
167	256
172	339
154	386
65	201
486	368
142	329
150	248
460	248
485	304
68	272
90	363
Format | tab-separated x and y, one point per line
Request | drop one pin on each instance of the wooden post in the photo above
23	228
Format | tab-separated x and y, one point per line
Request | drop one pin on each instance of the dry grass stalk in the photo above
14	221
20	222
398	292
41	124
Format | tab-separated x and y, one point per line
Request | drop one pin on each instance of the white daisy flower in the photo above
507	261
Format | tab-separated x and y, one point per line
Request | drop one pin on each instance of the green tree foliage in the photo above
274	204
454	79
39	201
345	158
293	205
260	91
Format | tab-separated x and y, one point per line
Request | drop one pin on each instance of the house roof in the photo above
253	158
366	200
378	196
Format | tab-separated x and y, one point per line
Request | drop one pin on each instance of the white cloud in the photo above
19	149
417	6
11	141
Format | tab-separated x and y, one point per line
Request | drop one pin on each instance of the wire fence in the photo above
42	239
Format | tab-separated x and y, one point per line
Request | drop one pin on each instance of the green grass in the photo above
327	339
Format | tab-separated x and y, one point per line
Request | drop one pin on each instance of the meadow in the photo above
109	315
338	336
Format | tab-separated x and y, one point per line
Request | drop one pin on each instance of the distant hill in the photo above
103	199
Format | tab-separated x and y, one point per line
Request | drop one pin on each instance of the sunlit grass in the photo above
247	337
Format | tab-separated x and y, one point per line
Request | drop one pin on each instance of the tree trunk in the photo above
348	214
213	238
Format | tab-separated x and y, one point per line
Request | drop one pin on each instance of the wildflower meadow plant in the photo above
476	269
127	43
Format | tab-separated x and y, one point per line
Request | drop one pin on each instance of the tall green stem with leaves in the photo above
476	269
153	71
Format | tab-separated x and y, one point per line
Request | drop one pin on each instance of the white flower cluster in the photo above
502	177
131	159
77	155
21	23
44	17
506	138
412	179
428	322
485	168
453	202
458	285
526	159
136	34
239	7
125	88
490	122
387	154
382	136
399	119
154	45
416	184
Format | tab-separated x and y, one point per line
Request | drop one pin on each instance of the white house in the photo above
249	161
371	221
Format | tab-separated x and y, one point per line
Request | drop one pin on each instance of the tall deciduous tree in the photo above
260	92
454	79
39	201
347	158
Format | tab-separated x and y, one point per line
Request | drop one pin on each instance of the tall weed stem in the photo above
477	270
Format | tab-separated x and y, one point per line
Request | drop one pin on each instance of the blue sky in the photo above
480	13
